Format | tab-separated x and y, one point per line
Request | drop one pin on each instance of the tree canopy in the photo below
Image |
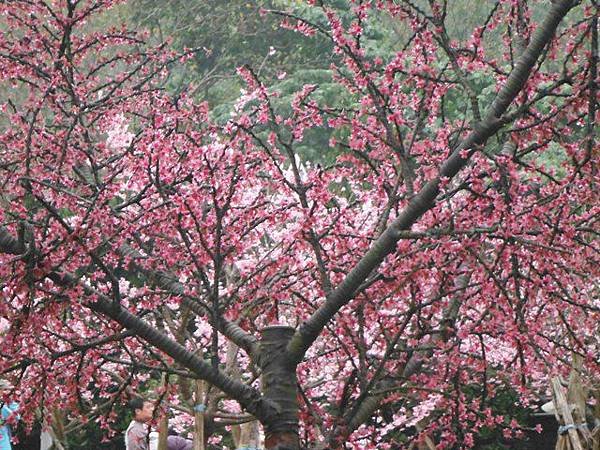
445	252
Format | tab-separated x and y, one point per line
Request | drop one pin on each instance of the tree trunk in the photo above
279	385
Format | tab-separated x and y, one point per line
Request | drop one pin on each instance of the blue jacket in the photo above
5	432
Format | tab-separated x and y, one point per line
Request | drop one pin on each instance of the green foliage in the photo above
228	35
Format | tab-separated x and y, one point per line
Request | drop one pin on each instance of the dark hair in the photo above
136	403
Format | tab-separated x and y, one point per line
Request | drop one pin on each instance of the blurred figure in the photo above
8	416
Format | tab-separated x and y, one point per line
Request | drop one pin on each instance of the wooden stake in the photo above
163	432
199	416
563	409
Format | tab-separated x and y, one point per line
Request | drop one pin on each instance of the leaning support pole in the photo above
199	416
249	436
163	425
163	433
569	438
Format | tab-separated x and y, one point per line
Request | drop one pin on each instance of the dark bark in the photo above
593	89
280	386
10	245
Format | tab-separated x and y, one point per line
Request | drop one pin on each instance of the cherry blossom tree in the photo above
450	252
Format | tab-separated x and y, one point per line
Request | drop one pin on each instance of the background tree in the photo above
231	35
388	291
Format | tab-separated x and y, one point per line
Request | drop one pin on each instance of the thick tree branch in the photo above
10	245
425	199
247	396
229	329
593	89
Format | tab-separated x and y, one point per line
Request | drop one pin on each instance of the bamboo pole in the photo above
199	408
249	436
236	434
163	425
576	392
563	410
58	424
596	430
163	433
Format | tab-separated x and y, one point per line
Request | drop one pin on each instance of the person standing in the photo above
8	416
139	435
